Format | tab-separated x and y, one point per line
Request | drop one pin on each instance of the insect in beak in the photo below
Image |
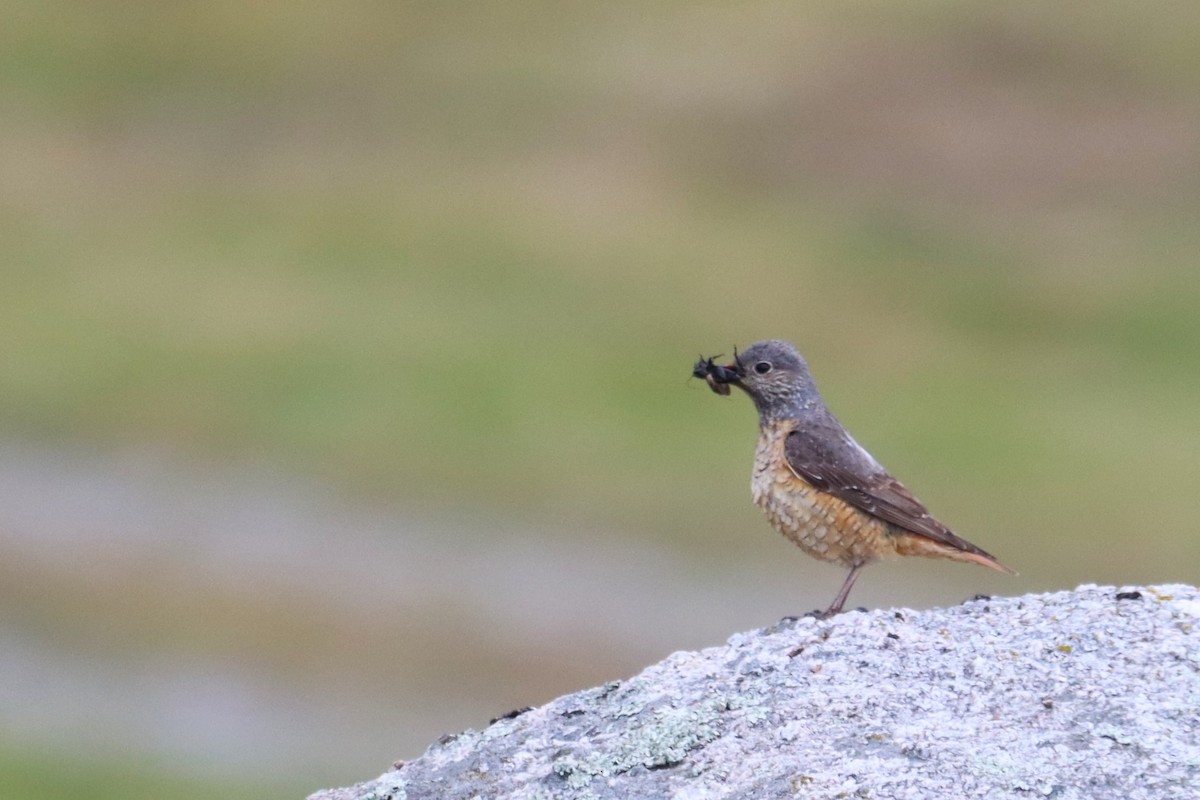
716	376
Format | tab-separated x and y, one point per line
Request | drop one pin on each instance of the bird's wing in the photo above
822	453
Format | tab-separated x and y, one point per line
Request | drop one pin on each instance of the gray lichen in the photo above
1072	695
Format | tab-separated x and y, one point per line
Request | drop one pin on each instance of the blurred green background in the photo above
344	393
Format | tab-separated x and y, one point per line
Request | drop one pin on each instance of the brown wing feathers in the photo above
820	452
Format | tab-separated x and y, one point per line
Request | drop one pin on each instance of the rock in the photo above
1072	695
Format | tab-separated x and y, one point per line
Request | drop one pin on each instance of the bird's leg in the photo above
836	606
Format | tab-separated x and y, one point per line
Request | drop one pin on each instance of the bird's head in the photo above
772	372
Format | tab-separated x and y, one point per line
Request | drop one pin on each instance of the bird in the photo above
818	486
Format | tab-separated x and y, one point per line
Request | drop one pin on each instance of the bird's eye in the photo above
762	368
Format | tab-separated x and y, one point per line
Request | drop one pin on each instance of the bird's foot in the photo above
831	612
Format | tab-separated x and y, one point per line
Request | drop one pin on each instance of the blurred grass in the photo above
462	255
28	773
467	260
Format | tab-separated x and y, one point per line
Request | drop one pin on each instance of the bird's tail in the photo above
983	559
914	545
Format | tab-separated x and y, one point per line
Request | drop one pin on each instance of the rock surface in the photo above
1083	695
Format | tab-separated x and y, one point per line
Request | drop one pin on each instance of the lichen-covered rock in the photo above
1083	695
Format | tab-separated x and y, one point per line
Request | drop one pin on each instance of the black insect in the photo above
716	375
704	366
